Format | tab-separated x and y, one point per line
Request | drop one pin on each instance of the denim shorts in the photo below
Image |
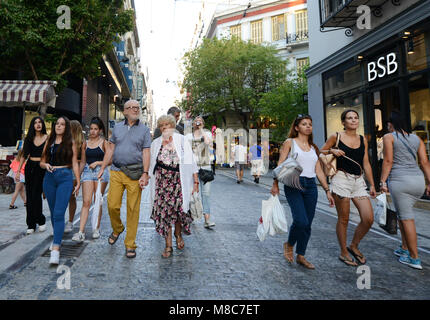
91	174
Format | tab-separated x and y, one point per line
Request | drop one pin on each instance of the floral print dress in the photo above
167	209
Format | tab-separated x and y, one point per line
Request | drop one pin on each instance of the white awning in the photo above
27	92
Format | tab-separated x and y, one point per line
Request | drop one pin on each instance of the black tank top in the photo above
36	151
347	165
93	155
54	161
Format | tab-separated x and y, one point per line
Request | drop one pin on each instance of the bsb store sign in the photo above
382	67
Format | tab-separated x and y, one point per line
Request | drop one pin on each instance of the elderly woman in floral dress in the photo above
173	180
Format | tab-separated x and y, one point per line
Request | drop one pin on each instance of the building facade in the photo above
374	62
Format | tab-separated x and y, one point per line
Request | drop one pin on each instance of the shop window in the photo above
343	81
418	49
419	97
334	111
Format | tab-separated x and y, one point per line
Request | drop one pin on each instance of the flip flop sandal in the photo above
114	238
13	207
167	252
132	251
348	262
180	244
357	257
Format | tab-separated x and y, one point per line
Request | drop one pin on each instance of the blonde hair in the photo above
20	154
77	135
166	118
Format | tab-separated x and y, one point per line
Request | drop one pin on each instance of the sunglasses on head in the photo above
302	116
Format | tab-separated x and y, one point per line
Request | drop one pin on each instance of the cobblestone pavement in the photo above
227	262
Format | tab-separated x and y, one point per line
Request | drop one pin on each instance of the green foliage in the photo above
283	104
230	75
31	43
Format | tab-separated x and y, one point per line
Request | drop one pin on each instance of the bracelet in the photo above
196	182
145	172
327	190
382	184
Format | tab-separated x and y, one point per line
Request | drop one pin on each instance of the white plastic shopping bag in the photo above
273	219
196	206
279	217
380	209
96	209
260	230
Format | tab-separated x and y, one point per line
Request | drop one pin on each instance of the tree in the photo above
284	103
230	75
32	45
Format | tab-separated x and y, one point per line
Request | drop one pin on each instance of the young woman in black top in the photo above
92	155
33	146
58	158
348	184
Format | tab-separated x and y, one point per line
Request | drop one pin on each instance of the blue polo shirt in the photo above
129	143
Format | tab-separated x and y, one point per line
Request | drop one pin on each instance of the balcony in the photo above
293	38
343	13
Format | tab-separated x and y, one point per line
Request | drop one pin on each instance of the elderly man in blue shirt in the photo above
130	145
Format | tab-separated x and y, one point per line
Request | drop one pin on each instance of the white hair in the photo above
130	101
166	119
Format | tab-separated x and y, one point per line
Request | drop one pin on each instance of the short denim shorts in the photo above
91	174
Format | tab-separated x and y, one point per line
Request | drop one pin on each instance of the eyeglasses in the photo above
135	108
302	116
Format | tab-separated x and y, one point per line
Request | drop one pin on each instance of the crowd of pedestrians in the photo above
174	165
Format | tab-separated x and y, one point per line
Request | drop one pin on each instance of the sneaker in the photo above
69	227
96	234
238	182
50	247
401	252
413	263
42	228
29	231
209	224
79	237
55	257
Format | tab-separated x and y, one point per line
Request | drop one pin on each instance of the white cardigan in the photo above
187	166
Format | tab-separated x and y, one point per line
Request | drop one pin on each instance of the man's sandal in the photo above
114	238
305	263
288	253
180	244
167	252
358	256
130	253
348	262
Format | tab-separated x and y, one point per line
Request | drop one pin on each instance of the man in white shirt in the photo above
240	159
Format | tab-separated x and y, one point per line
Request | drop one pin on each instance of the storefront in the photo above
392	75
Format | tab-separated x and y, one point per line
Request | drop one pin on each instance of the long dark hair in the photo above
294	133
398	122
99	123
31	134
64	152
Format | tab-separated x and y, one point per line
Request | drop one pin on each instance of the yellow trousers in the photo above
118	183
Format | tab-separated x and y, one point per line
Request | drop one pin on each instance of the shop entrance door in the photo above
381	102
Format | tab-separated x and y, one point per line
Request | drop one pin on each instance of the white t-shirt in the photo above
240	153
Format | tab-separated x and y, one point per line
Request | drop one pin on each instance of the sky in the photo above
165	30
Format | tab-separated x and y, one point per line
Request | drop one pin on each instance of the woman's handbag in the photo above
391	221
329	161
288	172
133	171
206	175
196	206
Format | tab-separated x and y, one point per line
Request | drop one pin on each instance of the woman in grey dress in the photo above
402	176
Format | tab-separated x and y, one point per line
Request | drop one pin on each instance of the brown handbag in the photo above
329	161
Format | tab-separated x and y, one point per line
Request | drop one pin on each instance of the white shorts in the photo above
348	186
257	167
